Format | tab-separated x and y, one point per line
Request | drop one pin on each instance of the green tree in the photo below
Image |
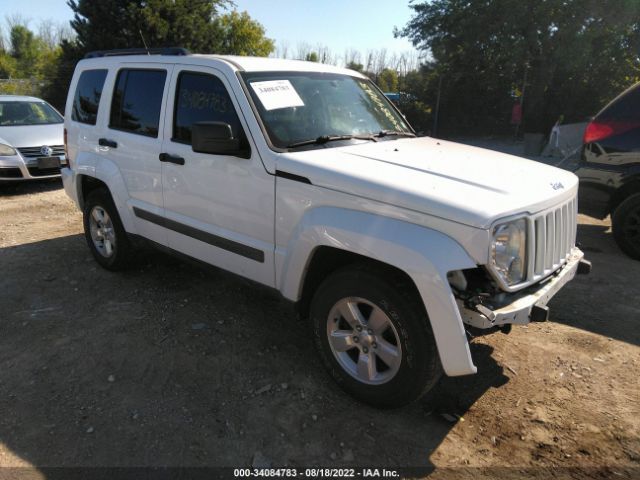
353	65
24	46
8	65
577	54
198	25
388	80
311	57
28	52
110	24
28	61
28	56
241	35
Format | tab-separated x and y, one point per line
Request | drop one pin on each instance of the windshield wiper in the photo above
393	133
322	139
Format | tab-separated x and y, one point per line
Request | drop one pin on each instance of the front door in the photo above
218	208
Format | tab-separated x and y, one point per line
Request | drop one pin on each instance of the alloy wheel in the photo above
102	231
364	340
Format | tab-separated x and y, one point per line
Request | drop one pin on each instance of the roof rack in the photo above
179	51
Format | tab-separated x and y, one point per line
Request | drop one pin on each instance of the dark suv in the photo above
609	169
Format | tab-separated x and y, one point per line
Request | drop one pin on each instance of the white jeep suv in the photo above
305	178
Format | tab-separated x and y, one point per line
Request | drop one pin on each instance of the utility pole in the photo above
524	87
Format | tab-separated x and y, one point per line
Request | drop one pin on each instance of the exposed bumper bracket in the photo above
530	304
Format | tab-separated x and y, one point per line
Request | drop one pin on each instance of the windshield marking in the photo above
275	94
316	108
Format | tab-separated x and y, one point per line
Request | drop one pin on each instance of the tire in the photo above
104	232
392	320
626	226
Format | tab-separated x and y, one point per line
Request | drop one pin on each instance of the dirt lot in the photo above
170	365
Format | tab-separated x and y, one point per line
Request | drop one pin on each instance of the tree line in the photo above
474	59
558	58
27	53
47	55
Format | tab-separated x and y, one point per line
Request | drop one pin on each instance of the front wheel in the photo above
374	336
626	226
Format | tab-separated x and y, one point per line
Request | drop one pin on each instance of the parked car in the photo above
609	170
303	177
31	143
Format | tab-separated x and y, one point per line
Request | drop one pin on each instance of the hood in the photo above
33	135
468	185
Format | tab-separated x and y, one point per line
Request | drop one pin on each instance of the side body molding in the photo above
426	255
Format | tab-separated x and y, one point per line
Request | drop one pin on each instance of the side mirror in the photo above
216	138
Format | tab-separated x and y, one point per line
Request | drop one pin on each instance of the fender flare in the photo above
426	255
105	170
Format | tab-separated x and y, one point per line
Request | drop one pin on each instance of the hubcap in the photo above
364	340
102	233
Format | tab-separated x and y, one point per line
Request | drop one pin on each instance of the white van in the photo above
303	177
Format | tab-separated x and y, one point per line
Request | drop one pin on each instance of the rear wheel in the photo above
374	336
104	232
626	226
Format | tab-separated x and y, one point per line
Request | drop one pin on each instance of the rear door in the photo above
218	208
133	140
83	111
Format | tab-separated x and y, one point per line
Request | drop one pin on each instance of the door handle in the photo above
105	142
165	157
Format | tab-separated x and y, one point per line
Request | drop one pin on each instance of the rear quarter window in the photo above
87	96
137	101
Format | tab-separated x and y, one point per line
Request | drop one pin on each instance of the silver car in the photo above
31	139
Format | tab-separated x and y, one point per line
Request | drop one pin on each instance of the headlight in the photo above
508	251
6	150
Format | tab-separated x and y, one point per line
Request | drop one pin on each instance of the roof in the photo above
263	64
249	64
19	98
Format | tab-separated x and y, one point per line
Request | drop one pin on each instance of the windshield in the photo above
309	108
27	113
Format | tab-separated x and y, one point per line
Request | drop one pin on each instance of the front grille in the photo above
43	172
10	172
33	152
554	234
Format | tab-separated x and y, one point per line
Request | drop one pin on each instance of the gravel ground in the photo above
168	364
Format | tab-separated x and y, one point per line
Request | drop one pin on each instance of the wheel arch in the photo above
630	187
325	260
86	185
423	254
93	171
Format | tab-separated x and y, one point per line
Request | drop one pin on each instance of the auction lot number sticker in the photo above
276	94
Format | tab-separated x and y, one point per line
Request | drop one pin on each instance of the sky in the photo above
338	24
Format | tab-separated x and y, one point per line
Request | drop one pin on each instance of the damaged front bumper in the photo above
528	304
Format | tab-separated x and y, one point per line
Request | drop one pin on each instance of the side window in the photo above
137	101
201	97
87	97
